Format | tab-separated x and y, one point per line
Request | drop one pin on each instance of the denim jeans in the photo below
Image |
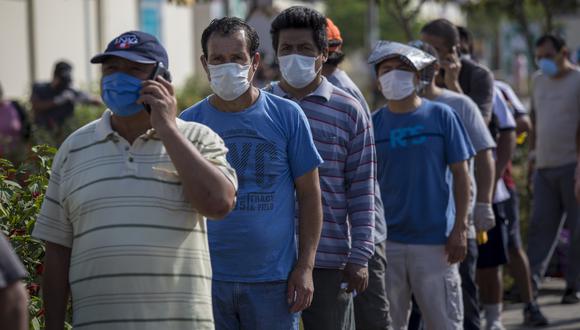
252	306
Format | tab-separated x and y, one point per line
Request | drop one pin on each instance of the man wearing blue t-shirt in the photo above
422	153
258	280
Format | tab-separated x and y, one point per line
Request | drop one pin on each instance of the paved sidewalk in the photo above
561	317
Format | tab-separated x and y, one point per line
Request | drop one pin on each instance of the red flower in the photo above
33	289
35	194
40	312
17	232
39	269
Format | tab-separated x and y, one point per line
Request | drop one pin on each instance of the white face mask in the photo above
298	70
397	84
230	80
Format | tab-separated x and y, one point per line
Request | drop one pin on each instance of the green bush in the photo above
21	193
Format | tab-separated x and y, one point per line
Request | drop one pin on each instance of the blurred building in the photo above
37	33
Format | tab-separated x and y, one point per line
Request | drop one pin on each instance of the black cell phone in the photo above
159	70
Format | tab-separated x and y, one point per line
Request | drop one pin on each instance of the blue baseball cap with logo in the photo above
135	46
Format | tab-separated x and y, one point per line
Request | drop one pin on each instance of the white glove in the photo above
483	217
64	97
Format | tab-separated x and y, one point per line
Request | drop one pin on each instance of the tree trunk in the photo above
522	19
548	16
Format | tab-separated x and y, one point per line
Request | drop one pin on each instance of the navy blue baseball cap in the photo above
135	46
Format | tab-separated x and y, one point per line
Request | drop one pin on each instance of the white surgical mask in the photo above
298	70
230	80
397	84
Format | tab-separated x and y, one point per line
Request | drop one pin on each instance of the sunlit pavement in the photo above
561	317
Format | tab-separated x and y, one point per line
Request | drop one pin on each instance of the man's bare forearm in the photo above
310	217
55	286
461	185
506	144
484	176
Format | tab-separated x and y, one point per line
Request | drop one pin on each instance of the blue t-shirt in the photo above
270	145
414	151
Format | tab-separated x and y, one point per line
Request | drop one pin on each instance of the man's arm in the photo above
456	247
506	144
55	285
208	190
360	173
523	124
300	284
484	175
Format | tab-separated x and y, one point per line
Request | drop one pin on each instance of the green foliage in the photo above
195	89
21	193
350	17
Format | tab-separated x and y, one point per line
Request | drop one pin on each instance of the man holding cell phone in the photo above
124	216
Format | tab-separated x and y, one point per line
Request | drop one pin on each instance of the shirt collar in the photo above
324	90
104	130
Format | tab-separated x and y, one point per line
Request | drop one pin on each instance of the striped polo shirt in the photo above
343	137
139	257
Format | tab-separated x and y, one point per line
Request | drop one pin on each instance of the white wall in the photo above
63	32
178	39
14	70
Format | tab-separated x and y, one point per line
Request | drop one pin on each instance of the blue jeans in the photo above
252	306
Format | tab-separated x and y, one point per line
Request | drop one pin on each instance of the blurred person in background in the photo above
13	295
482	169
14	129
54	102
461	75
343	136
371	308
422	153
554	149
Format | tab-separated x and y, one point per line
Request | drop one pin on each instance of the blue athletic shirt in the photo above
270	145
414	151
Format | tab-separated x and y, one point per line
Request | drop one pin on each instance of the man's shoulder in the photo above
473	68
80	138
453	98
339	98
190	113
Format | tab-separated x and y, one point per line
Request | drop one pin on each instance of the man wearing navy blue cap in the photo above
124	215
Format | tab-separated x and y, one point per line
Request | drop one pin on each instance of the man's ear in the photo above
324	55
203	60
256	61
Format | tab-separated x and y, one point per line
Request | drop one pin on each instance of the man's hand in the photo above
456	247
357	277
483	216
452	66
300	289
160	96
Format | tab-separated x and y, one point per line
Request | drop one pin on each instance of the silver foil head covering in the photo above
415	58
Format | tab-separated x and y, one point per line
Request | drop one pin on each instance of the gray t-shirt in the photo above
556	104
478	133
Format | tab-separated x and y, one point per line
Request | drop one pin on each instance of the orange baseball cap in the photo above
333	35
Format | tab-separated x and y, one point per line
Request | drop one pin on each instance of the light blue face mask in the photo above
548	67
120	91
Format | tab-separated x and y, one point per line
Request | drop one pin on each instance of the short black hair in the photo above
467	36
335	58
444	29
557	41
227	26
299	17
62	67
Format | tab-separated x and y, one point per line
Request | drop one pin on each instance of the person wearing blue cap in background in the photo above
124	213
422	153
